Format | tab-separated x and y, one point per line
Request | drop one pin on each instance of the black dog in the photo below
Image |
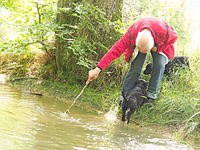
134	99
171	66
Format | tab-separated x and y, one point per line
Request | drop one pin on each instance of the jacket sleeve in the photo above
115	52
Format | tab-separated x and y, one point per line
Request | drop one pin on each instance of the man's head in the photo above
144	41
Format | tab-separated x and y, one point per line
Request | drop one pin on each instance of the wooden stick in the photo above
76	98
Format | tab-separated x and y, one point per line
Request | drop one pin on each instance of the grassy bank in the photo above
170	116
176	111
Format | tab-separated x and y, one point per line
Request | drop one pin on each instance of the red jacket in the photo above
164	38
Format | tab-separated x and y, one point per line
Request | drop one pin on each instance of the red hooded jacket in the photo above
164	38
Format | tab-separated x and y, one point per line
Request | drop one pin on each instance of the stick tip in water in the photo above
67	111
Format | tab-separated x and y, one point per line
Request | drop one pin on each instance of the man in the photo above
146	34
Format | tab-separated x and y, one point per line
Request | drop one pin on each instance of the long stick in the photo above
76	98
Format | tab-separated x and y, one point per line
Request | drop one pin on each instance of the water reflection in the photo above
34	122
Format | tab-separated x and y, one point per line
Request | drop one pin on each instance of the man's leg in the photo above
134	73
156	75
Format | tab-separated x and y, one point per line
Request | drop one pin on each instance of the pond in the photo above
35	122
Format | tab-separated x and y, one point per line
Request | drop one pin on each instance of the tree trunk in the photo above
66	60
62	18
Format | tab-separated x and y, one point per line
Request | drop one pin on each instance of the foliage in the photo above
32	25
29	22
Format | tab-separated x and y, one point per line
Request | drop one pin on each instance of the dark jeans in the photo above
135	71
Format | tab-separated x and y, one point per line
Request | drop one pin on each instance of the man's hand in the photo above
93	74
154	49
